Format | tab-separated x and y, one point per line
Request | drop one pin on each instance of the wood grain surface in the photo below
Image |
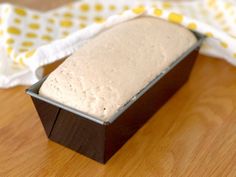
194	134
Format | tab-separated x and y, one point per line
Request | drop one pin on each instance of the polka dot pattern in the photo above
65	33
98	7
14	30
82	17
166	5
84	7
112	7
209	34
139	10
68	15
27	44
158	12
10	41
22	50
126	7
17	21
82	25
66	23
46	38
20	12
99	19
9	50
175	17
192	26
224	44
234	55
30	53
34	26
35	17
40	29
49	29
50	20
31	35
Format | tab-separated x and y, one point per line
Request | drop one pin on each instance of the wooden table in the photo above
194	134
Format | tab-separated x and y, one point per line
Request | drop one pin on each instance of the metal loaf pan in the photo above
99	140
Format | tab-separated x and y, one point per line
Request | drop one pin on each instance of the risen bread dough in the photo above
111	68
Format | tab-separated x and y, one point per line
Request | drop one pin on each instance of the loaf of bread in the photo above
110	69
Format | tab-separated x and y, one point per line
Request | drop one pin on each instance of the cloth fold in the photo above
31	39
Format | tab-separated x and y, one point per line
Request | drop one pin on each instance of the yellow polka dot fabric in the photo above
31	39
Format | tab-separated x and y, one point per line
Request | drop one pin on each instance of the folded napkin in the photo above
30	39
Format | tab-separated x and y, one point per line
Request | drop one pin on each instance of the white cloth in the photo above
31	39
